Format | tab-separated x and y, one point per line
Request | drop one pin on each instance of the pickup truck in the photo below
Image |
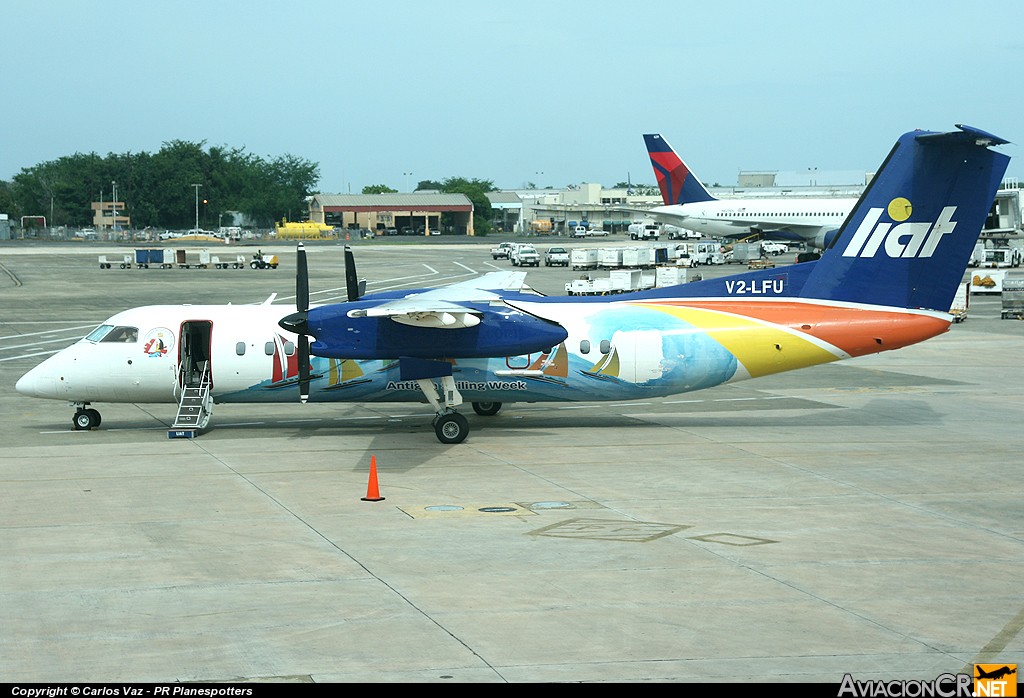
583	231
502	251
556	257
525	256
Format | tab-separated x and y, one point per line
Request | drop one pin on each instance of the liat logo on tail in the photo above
900	238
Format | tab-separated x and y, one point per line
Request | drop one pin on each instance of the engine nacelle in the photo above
342	333
824	238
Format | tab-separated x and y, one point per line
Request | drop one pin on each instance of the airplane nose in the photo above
32	384
39	382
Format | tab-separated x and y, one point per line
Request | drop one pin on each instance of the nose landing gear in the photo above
451	428
85	417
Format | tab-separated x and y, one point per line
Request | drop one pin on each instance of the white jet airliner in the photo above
688	204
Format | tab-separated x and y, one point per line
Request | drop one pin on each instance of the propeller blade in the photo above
351	281
301	281
298	322
303	368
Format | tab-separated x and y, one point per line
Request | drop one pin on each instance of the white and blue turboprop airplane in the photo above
886	281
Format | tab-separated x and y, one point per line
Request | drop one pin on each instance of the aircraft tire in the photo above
486	409
451	428
84	420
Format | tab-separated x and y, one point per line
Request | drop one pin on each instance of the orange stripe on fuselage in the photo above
856	331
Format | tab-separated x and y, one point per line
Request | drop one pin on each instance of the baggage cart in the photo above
1013	298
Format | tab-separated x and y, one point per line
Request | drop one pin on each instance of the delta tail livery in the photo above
886	281
688	204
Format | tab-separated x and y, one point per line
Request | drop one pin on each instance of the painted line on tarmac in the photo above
27	356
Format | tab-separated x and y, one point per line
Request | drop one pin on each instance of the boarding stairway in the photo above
195	405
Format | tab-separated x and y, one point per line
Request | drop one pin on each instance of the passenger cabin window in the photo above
606	346
268	348
115	334
240	348
585	346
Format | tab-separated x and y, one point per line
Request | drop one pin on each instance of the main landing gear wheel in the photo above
451	428
486	409
86	419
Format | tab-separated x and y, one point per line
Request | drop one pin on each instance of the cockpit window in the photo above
98	334
122	334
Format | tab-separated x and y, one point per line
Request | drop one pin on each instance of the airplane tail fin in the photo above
677	183
909	238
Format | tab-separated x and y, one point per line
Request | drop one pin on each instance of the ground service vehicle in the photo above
645	231
540	227
556	257
707	252
263	261
674	232
998	257
502	251
525	256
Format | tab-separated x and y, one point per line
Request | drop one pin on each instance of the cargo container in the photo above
584	258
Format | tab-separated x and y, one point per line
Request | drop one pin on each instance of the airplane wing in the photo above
491	281
791	231
741	228
659	216
446	307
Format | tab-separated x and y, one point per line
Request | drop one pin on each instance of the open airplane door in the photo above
194	352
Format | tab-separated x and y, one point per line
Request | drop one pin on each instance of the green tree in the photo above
379	189
476	191
158	189
7	202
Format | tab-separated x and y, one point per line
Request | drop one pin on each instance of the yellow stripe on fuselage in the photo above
760	347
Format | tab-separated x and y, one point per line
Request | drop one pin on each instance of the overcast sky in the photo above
553	92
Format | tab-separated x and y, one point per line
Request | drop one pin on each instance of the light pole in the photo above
113	208
196	230
407	176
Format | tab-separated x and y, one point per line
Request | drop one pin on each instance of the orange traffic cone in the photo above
372	493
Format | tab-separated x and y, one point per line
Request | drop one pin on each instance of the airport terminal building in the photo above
419	213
